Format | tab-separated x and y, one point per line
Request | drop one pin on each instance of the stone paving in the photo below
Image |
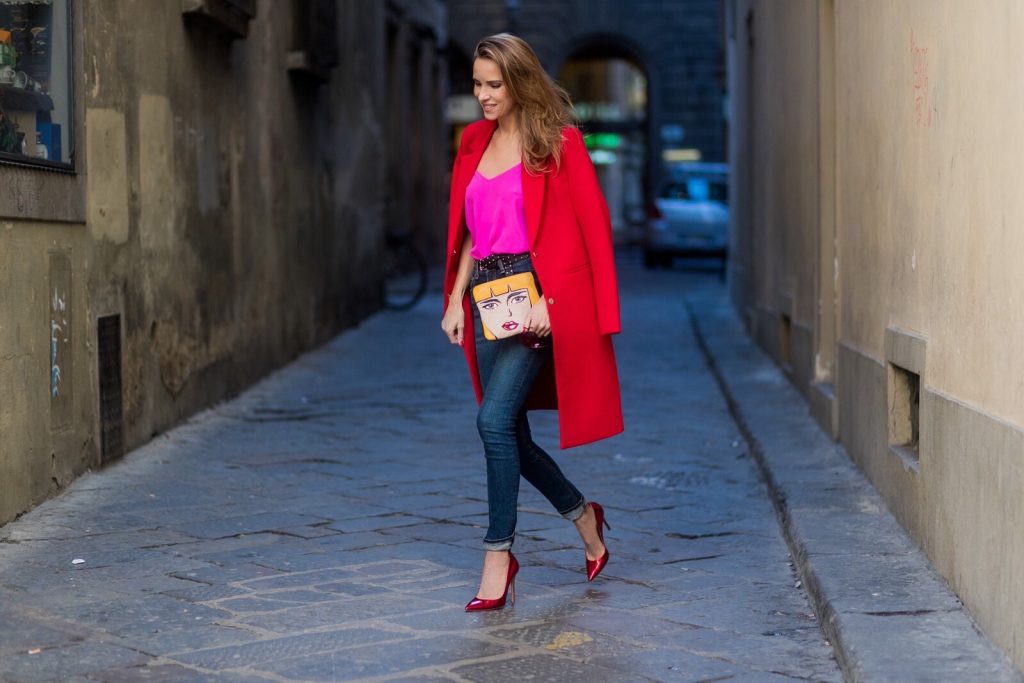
326	526
890	616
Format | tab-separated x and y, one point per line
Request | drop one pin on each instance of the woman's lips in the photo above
510	325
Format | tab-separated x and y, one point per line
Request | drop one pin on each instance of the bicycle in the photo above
405	272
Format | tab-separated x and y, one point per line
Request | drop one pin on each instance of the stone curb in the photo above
887	613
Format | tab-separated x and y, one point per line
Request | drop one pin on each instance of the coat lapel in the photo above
467	167
533	201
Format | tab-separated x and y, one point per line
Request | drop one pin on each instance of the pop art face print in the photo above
504	304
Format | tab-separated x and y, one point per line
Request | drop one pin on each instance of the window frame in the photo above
50	164
45	190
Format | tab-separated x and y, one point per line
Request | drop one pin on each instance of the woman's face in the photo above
490	91
503	314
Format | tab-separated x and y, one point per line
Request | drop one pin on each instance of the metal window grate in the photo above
786	341
108	335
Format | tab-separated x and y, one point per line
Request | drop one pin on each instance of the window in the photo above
35	83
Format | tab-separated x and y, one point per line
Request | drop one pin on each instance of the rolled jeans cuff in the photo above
495	546
576	512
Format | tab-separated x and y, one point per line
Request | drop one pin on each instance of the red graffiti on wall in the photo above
922	105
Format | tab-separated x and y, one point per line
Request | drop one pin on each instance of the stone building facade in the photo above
877	254
226	173
676	43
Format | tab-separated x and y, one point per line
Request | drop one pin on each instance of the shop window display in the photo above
35	84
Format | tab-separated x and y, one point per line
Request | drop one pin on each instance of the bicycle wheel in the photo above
405	276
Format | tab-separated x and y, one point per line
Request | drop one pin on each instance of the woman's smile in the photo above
490	91
510	325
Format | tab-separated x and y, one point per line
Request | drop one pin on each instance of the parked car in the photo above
690	216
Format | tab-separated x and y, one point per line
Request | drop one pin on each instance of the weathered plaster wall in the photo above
929	152
214	197
773	82
230	213
926	247
43	412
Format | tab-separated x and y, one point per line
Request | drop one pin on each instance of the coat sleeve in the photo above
451	261
595	223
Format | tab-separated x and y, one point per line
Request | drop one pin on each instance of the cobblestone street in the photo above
326	525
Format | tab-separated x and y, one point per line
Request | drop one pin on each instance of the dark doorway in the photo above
611	98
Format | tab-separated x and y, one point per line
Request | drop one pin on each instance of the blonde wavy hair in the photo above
543	107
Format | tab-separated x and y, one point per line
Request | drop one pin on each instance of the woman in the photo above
525	200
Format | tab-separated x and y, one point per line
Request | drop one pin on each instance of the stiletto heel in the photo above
594	567
480	604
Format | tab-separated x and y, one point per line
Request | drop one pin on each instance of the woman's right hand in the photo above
454	321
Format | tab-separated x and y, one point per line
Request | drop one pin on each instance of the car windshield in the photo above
700	189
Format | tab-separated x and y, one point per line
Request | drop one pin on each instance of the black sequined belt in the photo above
496	263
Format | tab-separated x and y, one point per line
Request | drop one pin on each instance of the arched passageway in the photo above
610	90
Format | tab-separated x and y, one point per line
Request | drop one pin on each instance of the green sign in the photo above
603	141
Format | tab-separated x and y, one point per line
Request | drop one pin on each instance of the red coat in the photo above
571	245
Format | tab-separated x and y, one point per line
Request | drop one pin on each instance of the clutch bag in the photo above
504	303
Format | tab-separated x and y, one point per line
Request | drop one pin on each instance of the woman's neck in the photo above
508	126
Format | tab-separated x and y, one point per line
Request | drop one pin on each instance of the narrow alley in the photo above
326	524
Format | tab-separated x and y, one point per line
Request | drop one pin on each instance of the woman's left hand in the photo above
537	320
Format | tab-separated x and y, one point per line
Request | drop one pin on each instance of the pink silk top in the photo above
495	215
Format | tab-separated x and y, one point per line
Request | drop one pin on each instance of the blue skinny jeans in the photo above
507	372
